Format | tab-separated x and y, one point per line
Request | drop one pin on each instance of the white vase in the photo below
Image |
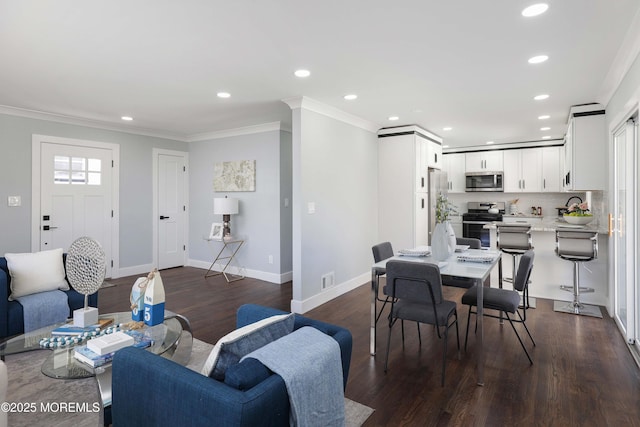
452	237
440	242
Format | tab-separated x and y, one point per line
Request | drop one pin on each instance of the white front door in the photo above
625	237
171	209
75	198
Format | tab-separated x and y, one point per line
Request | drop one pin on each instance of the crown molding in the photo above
329	111
246	130
97	124
627	54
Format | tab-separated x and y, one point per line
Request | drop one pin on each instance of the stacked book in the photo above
70	329
100	351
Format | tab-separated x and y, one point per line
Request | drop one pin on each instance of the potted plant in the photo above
578	213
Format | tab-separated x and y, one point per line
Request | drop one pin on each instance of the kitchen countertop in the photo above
550	223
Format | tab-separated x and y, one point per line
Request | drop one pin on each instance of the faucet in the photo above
571	198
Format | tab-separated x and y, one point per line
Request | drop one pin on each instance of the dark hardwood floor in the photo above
583	374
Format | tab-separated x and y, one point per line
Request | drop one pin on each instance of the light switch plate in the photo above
311	207
14	201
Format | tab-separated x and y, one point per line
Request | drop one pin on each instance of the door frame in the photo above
36	144
632	108
156	152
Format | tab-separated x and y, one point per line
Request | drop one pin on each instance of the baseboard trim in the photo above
132	271
302	306
254	274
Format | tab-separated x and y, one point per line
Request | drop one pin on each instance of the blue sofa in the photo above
154	391
11	314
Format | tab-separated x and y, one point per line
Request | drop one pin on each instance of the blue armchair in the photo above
151	390
11	313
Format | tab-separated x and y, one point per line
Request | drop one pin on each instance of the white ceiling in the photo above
433	63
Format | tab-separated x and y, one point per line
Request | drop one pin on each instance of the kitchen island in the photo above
550	271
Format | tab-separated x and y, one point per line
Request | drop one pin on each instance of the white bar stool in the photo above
577	246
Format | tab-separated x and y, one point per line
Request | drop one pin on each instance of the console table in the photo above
226	254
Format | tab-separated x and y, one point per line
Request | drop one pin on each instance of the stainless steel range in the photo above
478	215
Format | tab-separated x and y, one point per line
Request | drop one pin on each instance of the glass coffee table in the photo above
172	339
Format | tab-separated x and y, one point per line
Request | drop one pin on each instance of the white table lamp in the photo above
226	207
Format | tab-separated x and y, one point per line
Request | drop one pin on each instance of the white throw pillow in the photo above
36	272
237	344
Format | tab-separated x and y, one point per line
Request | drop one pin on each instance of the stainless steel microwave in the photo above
484	181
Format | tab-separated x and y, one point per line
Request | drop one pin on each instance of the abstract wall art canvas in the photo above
235	176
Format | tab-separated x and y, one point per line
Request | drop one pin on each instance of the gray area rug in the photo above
46	396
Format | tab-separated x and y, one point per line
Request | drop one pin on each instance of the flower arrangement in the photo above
579	209
444	208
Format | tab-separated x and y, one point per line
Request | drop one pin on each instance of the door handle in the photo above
48	227
164	217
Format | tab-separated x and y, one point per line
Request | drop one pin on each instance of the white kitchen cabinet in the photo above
434	154
403	211
523	170
453	165
551	169
585	159
484	161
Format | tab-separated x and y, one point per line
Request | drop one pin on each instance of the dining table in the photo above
474	264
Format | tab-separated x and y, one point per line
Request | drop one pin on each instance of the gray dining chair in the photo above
415	290
505	301
381	251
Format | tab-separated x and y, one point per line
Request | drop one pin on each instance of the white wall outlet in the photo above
14	201
270	259
286	202
311	207
327	280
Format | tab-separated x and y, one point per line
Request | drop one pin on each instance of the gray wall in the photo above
135	183
262	219
335	167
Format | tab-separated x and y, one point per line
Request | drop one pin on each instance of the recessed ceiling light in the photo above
489	142
351	97
546	137
447	129
302	73
535	10
394	118
538	59
445	146
126	118
541	97
223	94
545	128
544	117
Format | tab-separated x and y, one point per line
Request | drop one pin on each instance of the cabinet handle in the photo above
523	185
422	181
423	203
544	183
610	231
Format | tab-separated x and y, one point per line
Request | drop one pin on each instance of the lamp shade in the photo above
225	206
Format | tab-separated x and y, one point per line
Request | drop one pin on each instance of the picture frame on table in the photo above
216	231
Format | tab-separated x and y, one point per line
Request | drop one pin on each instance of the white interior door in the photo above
75	197
171	210
625	231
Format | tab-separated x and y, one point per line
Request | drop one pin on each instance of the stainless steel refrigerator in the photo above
438	184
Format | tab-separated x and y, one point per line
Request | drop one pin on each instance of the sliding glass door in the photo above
623	225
